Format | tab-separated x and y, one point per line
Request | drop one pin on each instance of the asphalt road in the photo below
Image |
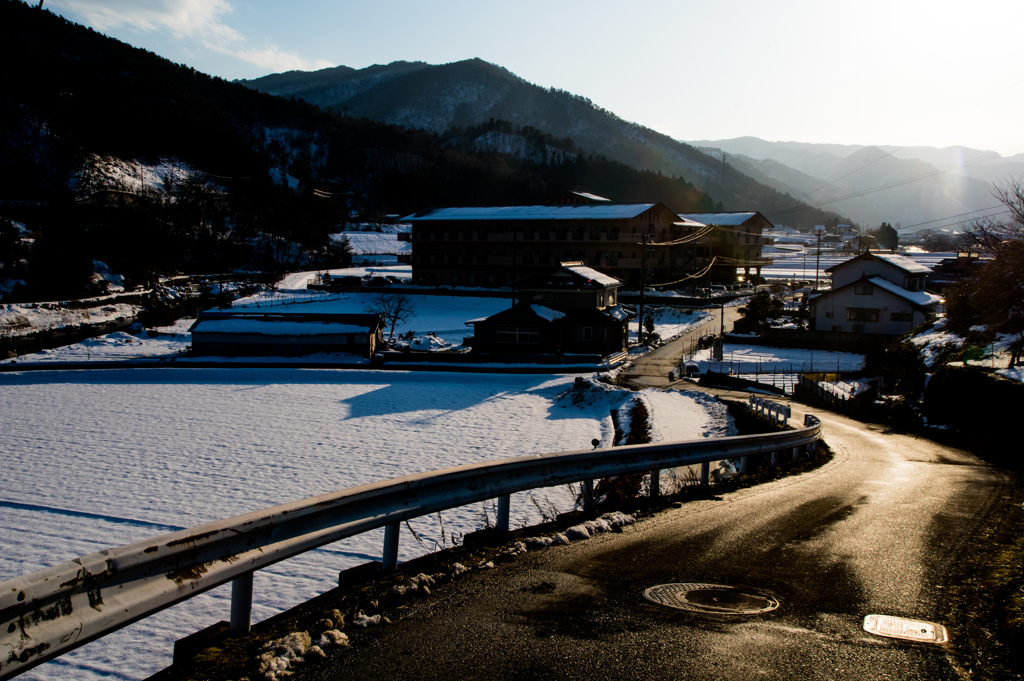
651	371
878	530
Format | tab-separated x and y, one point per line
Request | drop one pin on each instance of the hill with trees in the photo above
113	154
473	92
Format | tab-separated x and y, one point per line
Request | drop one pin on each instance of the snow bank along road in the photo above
876	531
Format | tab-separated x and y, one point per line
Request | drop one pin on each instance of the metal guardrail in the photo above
50	612
776	413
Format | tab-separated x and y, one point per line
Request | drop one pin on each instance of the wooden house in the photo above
874	293
570	310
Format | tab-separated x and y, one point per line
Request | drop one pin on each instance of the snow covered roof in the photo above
922	298
547	313
593	211
903	262
900	261
284	324
266	327
593	275
618	313
722	219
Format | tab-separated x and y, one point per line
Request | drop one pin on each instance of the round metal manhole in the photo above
711	598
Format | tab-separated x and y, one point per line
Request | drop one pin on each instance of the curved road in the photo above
878	530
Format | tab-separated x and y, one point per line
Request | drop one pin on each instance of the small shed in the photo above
247	333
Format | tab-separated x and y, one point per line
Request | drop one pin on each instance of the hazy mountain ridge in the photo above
910	187
471	92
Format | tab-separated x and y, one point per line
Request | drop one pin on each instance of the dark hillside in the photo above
473	92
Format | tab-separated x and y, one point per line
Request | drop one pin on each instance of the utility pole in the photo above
515	250
820	229
643	285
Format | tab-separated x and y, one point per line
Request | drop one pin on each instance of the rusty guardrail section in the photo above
48	613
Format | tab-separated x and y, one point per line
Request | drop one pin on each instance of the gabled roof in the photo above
901	261
721	219
285	324
571	276
592	274
920	298
539	314
557	198
587	211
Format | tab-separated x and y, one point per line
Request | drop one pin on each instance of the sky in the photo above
885	72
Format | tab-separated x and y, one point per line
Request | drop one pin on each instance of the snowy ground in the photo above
444	317
995	355
24	319
103	458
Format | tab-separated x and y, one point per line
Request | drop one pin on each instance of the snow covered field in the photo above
102	458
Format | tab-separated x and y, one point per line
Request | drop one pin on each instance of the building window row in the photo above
517	335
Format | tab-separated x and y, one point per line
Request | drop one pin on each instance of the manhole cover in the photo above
906	629
711	598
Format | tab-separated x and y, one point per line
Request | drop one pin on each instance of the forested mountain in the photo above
911	187
111	153
474	92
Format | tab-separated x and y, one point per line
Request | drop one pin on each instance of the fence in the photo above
48	613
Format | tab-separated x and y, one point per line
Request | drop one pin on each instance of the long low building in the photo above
493	246
246	333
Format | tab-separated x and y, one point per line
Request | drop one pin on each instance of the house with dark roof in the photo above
874	293
569	310
252	333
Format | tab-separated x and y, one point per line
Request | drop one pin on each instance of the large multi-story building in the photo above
735	241
495	246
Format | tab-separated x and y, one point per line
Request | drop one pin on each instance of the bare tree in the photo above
396	308
992	234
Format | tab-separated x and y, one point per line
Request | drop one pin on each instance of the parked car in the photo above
346	282
378	281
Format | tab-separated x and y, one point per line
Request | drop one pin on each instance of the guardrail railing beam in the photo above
48	613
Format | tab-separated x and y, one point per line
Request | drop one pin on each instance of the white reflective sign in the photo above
907	629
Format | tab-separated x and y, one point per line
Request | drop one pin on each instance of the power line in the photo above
889	185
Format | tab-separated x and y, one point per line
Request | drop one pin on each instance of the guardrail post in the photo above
588	497
744	465
504	508
241	604
796	454
390	560
656	483
705	471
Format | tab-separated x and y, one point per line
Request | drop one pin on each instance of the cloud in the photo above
197	20
273	59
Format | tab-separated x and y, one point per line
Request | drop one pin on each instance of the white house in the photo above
874	293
